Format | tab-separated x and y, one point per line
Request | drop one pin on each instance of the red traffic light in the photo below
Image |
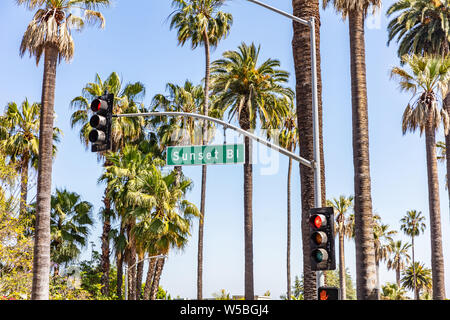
318	221
99	105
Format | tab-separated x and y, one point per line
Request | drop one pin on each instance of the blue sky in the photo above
137	44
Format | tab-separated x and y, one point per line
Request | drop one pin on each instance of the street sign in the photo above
200	155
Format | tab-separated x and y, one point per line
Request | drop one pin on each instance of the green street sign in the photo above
200	155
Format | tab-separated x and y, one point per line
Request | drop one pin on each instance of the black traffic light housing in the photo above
321	227
328	293
101	121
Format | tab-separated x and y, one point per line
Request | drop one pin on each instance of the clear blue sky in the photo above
138	44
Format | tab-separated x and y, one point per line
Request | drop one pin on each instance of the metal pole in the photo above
283	13
316	134
226	125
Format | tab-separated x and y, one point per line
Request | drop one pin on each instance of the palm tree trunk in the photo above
41	261
200	236
24	184
342	273
397	276
131	265
437	258
155	284
288	245
140	274
105	245
149	280
119	264
249	293
203	191
416	296
301	46
366	278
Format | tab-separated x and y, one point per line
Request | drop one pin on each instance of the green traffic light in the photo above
320	255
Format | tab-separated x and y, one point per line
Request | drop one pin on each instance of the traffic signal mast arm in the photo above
226	125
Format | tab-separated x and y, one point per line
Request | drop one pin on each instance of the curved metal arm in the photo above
226	125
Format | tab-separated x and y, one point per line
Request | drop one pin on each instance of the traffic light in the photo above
100	135
321	222
328	293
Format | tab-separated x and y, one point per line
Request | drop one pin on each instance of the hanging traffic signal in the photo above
100	135
321	222
328	293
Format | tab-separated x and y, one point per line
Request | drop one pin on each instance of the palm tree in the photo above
70	223
249	92
49	33
188	98
392	291
420	26
422	278
202	22
301	46
21	141
398	257
165	216
341	206
124	168
381	234
287	138
357	11
413	225
124	130
429	76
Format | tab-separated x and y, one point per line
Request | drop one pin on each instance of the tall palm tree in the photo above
398	257
202	22
341	206
301	47
70	224
49	33
124	130
422	27
357	11
288	139
250	92
429	78
413	225
422	277
382	237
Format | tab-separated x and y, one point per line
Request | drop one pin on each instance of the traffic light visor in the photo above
98	121
97	137
319	238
